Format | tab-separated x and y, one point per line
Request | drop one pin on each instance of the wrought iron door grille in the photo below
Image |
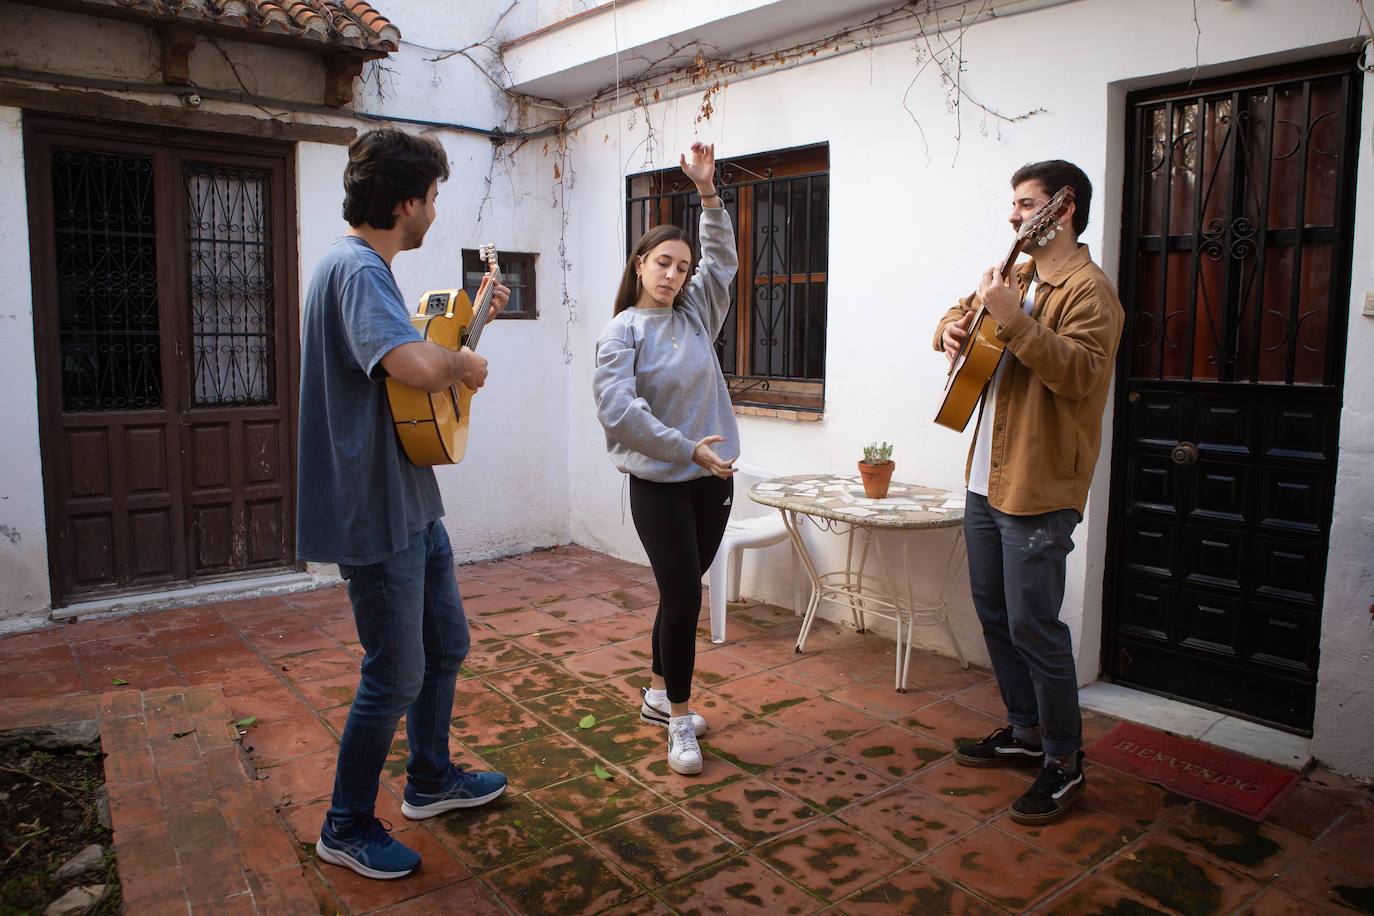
229	286
107	300
1236	225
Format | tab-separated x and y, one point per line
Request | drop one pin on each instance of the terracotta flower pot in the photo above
876	478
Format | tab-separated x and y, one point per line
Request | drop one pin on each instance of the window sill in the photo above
778	413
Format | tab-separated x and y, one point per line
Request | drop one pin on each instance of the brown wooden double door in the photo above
1236	280
164	326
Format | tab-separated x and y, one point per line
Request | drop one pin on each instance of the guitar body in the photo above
972	371
433	426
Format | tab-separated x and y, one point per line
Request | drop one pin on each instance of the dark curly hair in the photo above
1053	174
387	167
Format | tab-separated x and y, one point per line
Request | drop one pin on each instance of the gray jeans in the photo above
1016	568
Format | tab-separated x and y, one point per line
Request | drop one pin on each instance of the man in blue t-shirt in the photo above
363	505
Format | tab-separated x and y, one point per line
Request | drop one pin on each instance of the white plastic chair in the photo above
750	525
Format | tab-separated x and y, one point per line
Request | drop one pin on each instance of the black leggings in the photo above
680	525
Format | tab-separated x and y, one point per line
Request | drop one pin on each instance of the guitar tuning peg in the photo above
1041	243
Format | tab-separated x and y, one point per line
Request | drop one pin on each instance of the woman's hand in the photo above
701	168
706	457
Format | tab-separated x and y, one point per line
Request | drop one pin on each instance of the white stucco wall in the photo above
23	527
916	215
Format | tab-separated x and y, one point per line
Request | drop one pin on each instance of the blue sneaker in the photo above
464	790
369	850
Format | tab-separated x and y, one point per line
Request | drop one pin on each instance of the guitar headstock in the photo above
487	253
1039	227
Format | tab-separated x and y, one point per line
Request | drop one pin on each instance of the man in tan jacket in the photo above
1032	458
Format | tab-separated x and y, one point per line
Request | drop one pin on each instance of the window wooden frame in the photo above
517	272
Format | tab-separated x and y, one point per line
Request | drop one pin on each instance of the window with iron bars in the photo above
772	345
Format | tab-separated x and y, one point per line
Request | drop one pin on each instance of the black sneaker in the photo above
1000	749
1055	790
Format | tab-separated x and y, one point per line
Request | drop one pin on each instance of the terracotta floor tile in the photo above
751	810
1129	800
596	583
662	847
300	779
827	779
572	879
520	621
317	664
830	859
145	850
271	702
21	662
1080	837
1353	830
511	829
1001	868
163	892
1095	895
892	751
214	656
756	745
533	681
589	803
439	868
738	885
1332	878
140	671
619	627
623	739
819	718
1306	811
109	628
565	709
764	693
718	712
473	693
252	607
942	674
645	905
285	891
654	772
581	611
1262	850
985	698
540	762
290	642
1274	902
824	672
55	682
546	593
1166	872
600	664
330	692
497	658
134	804
982	793
20	643
494	604
184	785
271	743
918	892
877	698
188	636
632	597
497	725
560	643
216	873
950	724
907	822
467	897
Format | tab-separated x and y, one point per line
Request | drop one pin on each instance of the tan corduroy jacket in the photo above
1048	428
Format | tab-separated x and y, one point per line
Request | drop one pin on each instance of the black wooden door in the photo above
164	327
1235	278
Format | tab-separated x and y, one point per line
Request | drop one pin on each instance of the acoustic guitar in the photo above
978	358
433	426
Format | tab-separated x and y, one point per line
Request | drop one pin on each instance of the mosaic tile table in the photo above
836	503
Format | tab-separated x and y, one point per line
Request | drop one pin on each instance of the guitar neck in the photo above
482	309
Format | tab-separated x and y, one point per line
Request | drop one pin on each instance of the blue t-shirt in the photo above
359	499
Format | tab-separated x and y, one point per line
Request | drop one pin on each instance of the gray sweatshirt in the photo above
656	402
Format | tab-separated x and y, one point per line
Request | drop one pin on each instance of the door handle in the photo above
1184	453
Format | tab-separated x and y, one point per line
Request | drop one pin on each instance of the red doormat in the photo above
1196	770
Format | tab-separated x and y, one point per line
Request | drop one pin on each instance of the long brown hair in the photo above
628	293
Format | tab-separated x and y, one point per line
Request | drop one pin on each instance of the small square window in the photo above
517	272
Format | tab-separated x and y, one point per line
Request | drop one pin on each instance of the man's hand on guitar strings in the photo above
500	295
472	367
998	298
955	333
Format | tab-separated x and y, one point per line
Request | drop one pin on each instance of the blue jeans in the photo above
1016	569
415	636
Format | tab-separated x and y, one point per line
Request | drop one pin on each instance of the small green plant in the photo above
877	453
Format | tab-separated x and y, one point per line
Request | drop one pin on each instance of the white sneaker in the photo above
660	714
684	755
